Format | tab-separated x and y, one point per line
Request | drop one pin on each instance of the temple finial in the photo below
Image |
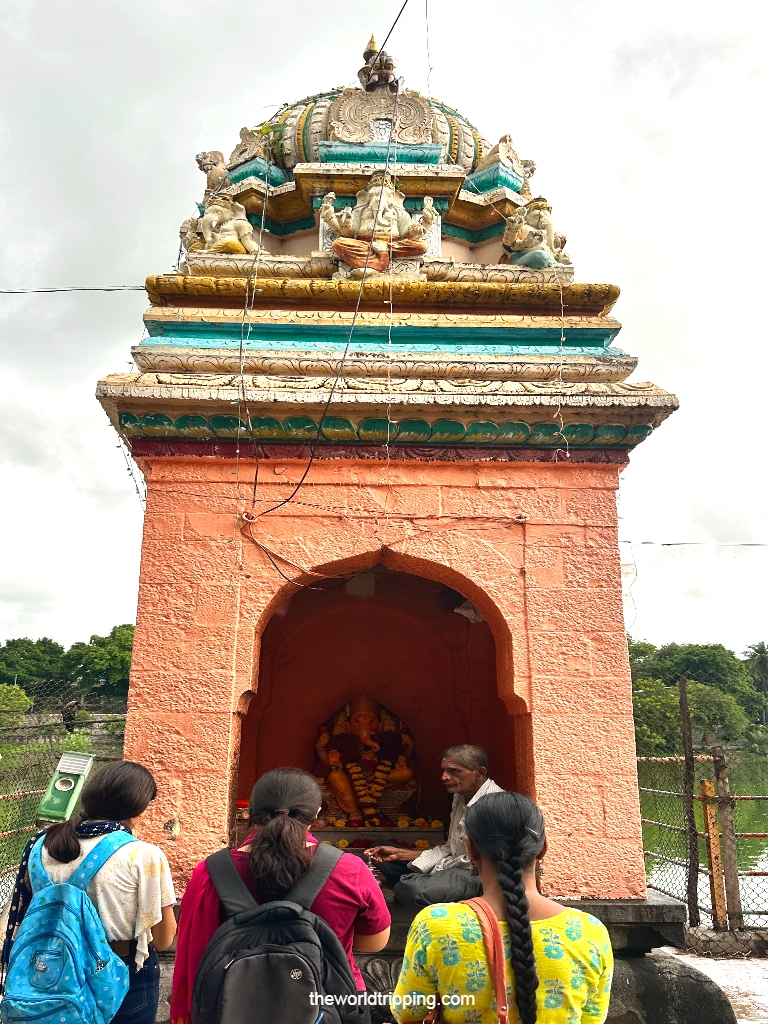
371	49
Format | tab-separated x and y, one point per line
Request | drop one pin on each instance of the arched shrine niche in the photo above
414	646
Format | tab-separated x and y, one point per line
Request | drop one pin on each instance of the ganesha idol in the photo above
366	754
379	229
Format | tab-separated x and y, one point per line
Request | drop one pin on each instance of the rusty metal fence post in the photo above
730	860
692	888
714	856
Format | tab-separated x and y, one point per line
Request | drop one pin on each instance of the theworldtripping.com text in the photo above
391	999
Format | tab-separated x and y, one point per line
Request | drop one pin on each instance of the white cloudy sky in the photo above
646	122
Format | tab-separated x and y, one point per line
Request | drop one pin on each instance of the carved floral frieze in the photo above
205	384
582	368
397	317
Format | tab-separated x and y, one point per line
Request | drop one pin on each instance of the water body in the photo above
667	847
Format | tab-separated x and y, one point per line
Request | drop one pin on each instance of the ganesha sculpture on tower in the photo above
379	229
366	754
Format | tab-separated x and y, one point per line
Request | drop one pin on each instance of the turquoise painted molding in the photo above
414	204
258	168
495	176
338	430
338	203
275	227
378	153
590	341
495	230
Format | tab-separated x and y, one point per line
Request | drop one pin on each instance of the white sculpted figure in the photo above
251	145
379	228
379	70
225	227
530	239
213	167
191	235
503	153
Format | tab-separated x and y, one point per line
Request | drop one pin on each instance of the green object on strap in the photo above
63	792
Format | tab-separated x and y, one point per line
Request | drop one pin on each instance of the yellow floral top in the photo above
445	954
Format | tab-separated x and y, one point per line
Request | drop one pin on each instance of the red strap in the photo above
494	950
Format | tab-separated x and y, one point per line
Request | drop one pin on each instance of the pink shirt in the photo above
350	901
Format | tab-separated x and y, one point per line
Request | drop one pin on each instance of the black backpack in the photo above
276	962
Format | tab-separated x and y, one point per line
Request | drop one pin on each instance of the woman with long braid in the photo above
558	961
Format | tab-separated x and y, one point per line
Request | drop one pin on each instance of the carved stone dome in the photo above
306	131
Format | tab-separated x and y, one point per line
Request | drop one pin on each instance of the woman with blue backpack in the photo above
91	906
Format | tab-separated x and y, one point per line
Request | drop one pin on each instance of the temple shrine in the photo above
382	427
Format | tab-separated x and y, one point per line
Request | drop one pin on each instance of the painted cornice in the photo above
406	295
398	411
581	364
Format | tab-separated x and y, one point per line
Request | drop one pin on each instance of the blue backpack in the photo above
62	970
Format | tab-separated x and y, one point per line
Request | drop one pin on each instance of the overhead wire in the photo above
129	467
249	517
429	59
392	29
557	415
253	276
345	353
697	543
75	288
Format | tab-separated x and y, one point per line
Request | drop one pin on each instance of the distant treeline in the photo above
52	676
728	696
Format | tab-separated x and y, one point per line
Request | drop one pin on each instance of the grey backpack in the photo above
276	962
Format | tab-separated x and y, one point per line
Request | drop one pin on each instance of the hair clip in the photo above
535	835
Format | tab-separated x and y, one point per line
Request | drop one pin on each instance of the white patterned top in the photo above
129	891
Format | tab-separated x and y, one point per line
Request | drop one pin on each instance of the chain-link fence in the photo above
33	734
705	835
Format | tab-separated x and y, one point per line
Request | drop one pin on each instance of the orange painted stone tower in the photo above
382	430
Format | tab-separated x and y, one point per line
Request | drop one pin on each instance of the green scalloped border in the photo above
337	430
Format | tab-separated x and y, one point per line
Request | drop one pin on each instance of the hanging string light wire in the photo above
340	371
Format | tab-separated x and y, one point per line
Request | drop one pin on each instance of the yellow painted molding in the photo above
376	293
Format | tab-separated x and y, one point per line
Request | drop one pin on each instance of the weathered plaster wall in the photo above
532	545
406	647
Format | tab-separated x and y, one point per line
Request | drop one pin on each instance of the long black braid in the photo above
508	829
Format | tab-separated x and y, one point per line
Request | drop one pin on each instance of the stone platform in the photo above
379	836
635	926
638	926
376	836
649	987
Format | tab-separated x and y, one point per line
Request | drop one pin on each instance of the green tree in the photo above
101	666
756	660
35	665
639	650
709	664
757	740
657	718
716	717
13	703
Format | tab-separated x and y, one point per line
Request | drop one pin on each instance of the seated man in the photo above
442	874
